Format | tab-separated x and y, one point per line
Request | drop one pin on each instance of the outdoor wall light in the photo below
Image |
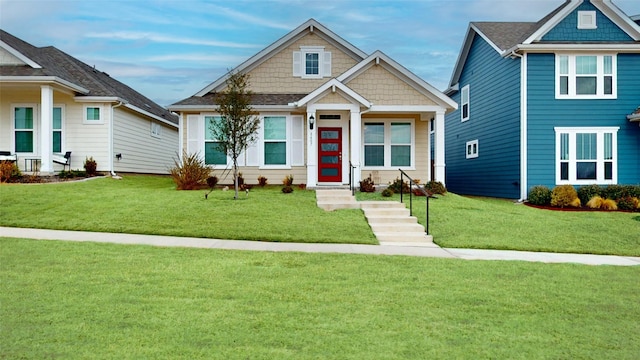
312	120
118	156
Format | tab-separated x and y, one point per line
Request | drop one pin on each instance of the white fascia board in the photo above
146	113
96	99
192	108
619	18
45	80
407	108
627	48
291	37
546	27
462	56
331	83
19	55
482	35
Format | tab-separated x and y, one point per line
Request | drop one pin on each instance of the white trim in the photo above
551	23
45	80
19	55
62	129
471	150
34	130
599	131
462	117
523	128
387	144
544	48
101	114
587	20
572	76
146	113
156	130
98	99
329	85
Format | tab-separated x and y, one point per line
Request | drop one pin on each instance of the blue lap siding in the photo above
494	108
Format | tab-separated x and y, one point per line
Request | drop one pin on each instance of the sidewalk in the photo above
430	250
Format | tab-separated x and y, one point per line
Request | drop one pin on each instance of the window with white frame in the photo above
464	103
312	62
213	155
57	129
586	155
388	144
586	76
23	129
156	130
472	149
587	20
93	115
275	140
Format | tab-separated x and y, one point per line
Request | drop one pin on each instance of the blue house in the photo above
546	103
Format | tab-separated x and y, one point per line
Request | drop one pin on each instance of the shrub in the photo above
288	180
613	192
90	166
367	185
398	184
262	181
539	195
240	179
387	192
628	203
587	192
190	172
632	190
302	186
609	204
287	189
436	187
9	170
595	202
564	195
212	181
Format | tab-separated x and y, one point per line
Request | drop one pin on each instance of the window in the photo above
275	140
586	76
464	101
472	149
23	129
57	130
311	62
213	155
156	130
388	144
586	155
93	115
587	20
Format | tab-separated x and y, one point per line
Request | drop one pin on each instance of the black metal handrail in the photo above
426	193
352	186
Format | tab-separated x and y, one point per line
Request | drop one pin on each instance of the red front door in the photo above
330	155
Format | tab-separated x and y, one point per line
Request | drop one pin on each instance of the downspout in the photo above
111	152
523	125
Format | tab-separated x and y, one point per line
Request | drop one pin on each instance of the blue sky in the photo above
169	50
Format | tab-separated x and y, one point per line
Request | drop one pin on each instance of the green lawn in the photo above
63	300
485	223
151	205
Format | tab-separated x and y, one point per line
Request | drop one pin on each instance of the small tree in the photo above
238	127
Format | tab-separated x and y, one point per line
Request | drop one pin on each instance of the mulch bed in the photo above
570	208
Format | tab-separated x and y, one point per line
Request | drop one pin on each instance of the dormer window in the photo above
312	62
587	20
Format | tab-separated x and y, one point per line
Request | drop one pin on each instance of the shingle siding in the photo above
494	121
567	29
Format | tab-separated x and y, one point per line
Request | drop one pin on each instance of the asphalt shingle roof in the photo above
256	99
57	63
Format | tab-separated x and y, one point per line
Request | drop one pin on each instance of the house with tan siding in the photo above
52	103
327	110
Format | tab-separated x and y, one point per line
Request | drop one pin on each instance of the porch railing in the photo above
352	186
426	193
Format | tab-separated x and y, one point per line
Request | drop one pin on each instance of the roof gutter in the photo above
45	80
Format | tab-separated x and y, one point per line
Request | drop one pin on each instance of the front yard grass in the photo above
151	205
104	301
487	223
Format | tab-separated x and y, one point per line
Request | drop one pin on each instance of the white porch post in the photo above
46	119
439	146
312	154
429	121
355	144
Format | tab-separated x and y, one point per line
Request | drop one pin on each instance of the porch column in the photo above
46	119
312	149
355	132
439	146
429	123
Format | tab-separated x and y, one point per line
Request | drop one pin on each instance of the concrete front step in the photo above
335	199
403	237
382	205
391	219
392	212
396	227
330	206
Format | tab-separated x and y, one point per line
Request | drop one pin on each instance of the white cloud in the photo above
159	38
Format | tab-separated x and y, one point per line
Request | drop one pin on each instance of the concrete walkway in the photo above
431	250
